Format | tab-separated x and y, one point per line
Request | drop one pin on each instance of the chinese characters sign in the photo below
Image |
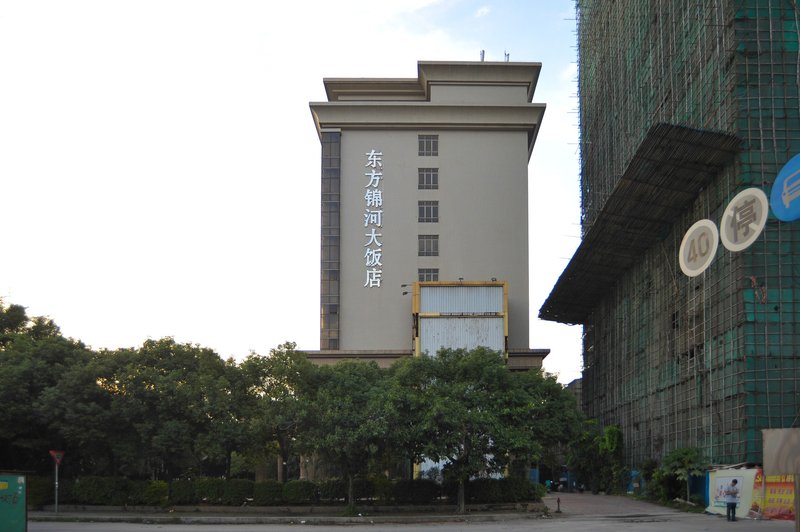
373	219
742	223
744	219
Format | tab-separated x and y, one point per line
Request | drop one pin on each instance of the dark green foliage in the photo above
682	464
40	491
539	492
484	490
182	491
135	492
177	411
363	488
332	490
268	493
496	490
237	491
156	493
514	489
299	492
101	491
382	490
596	457
209	490
417	491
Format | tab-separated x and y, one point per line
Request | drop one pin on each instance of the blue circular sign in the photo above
785	196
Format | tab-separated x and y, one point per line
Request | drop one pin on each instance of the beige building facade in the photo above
423	180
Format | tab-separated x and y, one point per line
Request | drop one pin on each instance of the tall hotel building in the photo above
425	212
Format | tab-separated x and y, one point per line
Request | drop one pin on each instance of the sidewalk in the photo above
574	504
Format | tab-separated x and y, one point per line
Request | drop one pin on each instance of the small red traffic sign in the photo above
57	456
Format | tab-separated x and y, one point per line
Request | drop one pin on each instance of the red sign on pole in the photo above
57	456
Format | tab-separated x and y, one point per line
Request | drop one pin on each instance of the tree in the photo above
684	463
170	394
462	398
348	420
280	385
596	455
543	416
34	358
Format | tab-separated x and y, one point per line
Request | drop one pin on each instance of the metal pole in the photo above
56	505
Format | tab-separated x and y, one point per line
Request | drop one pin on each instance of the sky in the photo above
159	165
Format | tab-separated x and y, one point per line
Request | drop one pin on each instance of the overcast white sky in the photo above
159	166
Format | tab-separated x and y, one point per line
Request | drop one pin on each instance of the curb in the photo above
276	520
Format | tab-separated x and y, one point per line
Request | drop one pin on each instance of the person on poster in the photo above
731	498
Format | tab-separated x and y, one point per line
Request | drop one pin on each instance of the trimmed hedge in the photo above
417	491
209	490
121	491
237	491
268	493
181	491
496	490
299	492
332	490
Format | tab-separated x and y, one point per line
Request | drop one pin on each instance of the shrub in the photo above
538	492
209	490
332	490
156	493
299	492
383	490
182	492
237	491
484	490
417	491
40	491
267	493
100	490
135	492
516	489
363	488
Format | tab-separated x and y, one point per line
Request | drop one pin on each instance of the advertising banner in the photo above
779	497
760	496
717	482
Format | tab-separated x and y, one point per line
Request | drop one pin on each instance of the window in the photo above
428	145
428	274
428	211
428	179
428	245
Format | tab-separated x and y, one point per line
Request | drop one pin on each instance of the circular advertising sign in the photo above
785	196
744	219
698	247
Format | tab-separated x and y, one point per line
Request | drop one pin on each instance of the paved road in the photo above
579	513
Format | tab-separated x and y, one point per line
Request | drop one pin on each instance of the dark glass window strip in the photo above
329	261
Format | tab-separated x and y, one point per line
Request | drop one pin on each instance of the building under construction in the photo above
683	104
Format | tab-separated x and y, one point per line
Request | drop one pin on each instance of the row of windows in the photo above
428	210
